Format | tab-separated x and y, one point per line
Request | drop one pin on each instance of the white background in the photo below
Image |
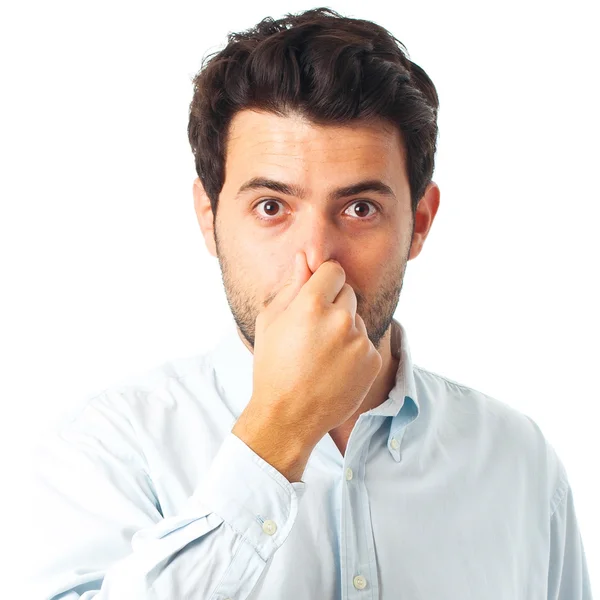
104	272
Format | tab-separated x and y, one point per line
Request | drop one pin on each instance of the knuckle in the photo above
344	320
347	288
367	348
376	359
365	344
314	305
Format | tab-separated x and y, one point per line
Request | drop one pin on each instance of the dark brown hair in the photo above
325	67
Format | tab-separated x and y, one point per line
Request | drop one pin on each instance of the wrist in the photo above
281	447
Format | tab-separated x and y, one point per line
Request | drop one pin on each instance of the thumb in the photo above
300	275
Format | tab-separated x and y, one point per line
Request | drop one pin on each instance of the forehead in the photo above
260	139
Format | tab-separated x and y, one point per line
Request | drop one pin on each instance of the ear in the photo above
204	214
424	215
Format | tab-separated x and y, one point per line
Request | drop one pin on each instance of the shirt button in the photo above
269	527
395	444
349	474
360	583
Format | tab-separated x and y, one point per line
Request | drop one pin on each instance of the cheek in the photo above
262	271
369	258
369	267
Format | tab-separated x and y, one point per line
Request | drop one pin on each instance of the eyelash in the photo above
370	218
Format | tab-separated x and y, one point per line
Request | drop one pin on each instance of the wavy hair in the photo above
325	67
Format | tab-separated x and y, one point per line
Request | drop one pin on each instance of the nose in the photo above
318	237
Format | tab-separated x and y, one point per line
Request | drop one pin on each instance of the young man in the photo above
305	456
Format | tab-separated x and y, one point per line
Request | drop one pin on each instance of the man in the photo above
305	456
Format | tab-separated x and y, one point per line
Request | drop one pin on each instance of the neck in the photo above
386	378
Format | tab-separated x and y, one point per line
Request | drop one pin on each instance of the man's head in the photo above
321	104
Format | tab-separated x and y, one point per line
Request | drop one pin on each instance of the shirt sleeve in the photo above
99	531
568	577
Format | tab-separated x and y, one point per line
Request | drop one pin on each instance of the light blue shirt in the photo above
444	493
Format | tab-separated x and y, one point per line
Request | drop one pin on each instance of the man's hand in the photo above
313	366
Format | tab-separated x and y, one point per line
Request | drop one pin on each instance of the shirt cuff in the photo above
250	495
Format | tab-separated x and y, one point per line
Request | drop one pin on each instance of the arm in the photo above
568	577
100	532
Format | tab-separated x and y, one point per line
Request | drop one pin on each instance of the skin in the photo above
372	242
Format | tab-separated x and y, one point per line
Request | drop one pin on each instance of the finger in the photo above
301	273
326	282
346	299
360	325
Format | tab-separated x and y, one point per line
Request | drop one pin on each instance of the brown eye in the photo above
269	207
360	209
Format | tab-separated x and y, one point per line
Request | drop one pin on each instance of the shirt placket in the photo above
357	552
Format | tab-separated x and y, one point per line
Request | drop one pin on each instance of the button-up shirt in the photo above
442	493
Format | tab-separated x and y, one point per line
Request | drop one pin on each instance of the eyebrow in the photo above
370	185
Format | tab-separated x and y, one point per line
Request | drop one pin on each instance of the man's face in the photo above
368	233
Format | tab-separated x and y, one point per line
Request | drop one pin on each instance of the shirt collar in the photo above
233	367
